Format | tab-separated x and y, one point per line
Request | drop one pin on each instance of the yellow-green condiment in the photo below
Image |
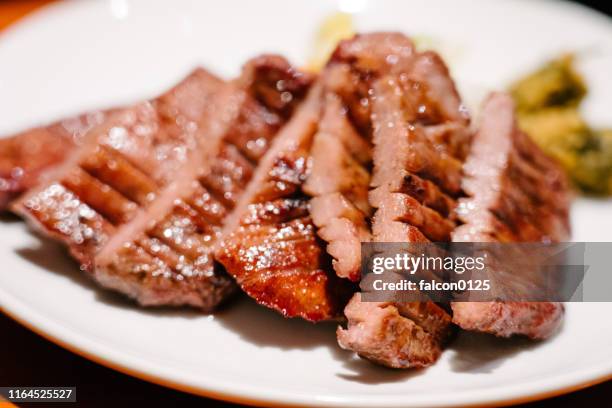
547	104
333	29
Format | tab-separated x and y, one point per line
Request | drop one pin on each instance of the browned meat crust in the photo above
339	182
420	134
275	89
272	251
145	197
515	194
536	320
397	335
275	84
28	155
142	203
98	201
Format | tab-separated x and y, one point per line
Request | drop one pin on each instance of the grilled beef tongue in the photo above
515	194
25	157
419	129
272	250
142	202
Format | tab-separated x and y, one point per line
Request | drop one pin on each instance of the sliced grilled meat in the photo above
511	184
274	85
25	157
126	176
142	203
275	89
272	250
420	134
339	182
403	152
396	335
515	194
536	320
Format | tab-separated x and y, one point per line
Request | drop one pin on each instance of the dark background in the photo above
33	361
26	360
602	5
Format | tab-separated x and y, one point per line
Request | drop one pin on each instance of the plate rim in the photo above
70	340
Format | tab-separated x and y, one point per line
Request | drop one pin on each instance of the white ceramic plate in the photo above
84	54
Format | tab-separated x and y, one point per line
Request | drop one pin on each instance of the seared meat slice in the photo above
397	335
536	320
26	156
275	89
511	184
375	53
127	175
269	79
420	134
338	182
344	227
142	203
403	152
272	251
515	194
275	84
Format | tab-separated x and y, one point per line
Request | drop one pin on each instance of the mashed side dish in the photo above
548	102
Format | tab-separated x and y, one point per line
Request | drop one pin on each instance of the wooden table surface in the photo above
29	360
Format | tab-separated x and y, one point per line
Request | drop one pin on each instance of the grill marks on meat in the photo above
338	184
275	84
184	238
230	172
160	186
64	206
337	165
275	89
26	156
515	194
273	251
101	201
420	131
60	214
111	168
316	185
405	159
148	196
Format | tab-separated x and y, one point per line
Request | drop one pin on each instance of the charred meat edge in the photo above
161	291
152	291
338	184
270	246
495	201
417	172
24	157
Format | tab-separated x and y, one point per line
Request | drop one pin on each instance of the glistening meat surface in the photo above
272	250
271	182
308	211
397	335
419	132
143	202
338	184
126	175
515	194
25	157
